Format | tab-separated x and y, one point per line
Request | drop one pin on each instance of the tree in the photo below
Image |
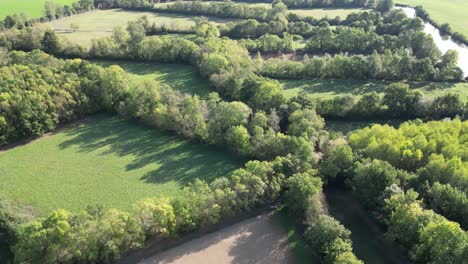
322	235
337	164
74	27
400	100
385	5
300	187
306	123
442	242
50	42
370	181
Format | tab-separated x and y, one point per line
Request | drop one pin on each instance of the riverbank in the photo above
443	43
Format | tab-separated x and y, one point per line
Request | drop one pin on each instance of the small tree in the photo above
74	27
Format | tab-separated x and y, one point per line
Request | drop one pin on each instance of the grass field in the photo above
107	161
184	78
453	12
32	8
326	12
331	88
101	22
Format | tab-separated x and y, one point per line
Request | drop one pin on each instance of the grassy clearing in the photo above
331	88
32	8
184	78
107	161
453	12
100	23
327	12
369	241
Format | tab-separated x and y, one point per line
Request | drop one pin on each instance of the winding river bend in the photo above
444	44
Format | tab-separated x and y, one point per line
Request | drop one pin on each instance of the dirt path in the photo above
257	240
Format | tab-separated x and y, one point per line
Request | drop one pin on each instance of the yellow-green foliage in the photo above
411	145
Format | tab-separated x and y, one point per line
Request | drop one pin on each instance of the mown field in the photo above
106	161
330	88
32	8
100	23
453	12
184	78
327	12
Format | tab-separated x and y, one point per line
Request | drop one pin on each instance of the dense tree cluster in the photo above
436	154
384	166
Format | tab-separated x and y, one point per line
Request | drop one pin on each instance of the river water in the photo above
443	43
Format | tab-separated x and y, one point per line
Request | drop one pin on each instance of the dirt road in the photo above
253	241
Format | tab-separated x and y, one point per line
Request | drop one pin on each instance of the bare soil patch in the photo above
256	240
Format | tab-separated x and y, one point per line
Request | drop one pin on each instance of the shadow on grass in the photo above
177	159
356	87
183	78
369	242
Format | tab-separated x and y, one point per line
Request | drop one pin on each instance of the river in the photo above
443	43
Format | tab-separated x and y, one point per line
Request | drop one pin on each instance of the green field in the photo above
326	12
107	161
32	8
184	78
100	23
454	12
330	88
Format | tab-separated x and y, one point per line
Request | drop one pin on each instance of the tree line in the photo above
395	66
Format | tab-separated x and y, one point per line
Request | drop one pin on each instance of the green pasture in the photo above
329	88
106	161
184	78
100	23
31	8
454	12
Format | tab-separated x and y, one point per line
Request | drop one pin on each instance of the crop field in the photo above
32	8
453	12
184	78
331	88
106	161
101	22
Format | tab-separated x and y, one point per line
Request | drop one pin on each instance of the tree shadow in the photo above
176	159
337	87
183	78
